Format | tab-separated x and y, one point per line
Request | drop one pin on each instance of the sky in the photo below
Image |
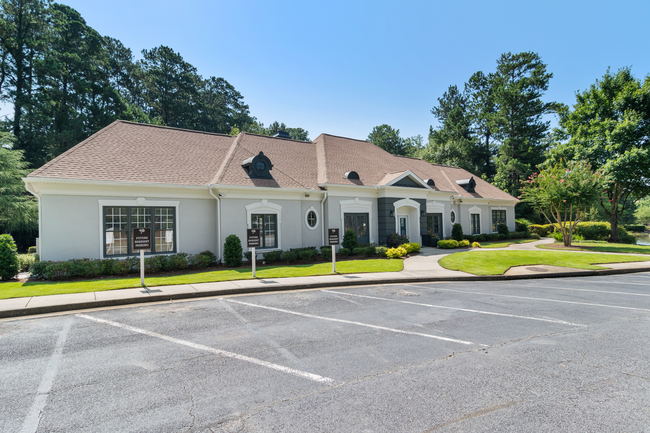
343	67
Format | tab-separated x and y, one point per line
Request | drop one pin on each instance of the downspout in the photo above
322	215
218	221
31	190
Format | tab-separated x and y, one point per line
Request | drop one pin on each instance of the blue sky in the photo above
343	67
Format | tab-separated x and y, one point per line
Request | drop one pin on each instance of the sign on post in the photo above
253	240
141	241
333	240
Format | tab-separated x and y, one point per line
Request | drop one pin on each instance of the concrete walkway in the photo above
423	267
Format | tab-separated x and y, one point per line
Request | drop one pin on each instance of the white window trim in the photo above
307	220
497	208
435	207
407	202
357	206
138	202
264	207
452	220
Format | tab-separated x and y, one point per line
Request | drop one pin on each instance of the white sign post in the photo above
253	261
141	241
253	240
142	268
333	240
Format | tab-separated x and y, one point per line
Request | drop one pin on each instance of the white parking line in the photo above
33	419
615	282
383	328
299	373
562	322
586	290
533	299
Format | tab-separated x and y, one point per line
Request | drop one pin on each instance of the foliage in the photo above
597	231
395	253
350	240
624	237
381	251
358	251
563	194
463	243
476	245
232	251
248	255
307	254
637	228
412	247
642	211
31	250
521	224
210	256
326	252
503	229
9	264
387	138
18	209
394	240
343	252
447	244
25	261
257	127
271	256
609	128
457	232
289	256
541	230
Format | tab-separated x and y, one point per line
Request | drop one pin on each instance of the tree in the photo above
609	126
220	107
387	138
18	209
256	127
414	146
482	113
563	194
518	85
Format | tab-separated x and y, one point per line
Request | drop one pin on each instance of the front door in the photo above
402	226
359	222
434	224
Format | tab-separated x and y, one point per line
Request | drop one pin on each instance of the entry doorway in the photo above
359	222
403	231
434	224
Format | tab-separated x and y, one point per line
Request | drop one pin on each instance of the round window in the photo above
260	166
453	217
311	219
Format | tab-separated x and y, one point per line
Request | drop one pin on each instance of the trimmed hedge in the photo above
8	258
448	244
542	230
326	253
637	228
232	251
395	253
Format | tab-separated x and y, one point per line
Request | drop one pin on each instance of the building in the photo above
194	189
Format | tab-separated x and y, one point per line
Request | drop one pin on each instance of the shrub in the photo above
232	251
326	253
370	250
271	256
470	238
451	243
394	253
481	238
8	258
542	230
31	250
307	254
463	243
557	236
107	266
521	224
202	261
210	255
153	264
412	247
381	251
248	255
343	252
394	240
533	235
121	267
38	269
358	251
25	261
476	245
503	229
457	232
624	237
634	228
289	256
598	231
350	240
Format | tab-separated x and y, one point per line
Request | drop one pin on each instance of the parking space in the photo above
545	355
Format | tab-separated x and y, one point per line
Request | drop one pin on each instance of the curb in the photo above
243	290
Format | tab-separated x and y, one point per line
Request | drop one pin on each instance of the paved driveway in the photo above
553	355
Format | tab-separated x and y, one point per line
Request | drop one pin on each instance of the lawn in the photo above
600	247
498	262
504	244
39	288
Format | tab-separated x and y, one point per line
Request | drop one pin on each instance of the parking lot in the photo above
545	355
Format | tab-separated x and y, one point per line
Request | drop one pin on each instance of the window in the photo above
267	224
476	223
311	219
119	223
358	222
434	224
453	217
498	217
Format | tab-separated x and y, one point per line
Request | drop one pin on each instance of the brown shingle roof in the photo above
135	152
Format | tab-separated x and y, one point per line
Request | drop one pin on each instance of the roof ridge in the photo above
226	161
151	125
348	138
321	161
281	138
453	184
73	149
430	163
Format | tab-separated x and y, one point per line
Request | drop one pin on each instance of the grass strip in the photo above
40	288
599	247
504	244
498	262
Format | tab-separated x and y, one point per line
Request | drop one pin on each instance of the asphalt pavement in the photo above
548	355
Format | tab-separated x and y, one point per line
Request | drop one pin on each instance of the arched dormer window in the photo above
258	167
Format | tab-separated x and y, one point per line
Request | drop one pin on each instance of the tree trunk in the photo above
614	223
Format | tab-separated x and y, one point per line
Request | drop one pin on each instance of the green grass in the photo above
498	262
40	288
504	244
601	248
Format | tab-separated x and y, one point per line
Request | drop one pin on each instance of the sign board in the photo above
141	239
253	238
333	236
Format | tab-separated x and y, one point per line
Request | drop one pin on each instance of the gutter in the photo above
218	249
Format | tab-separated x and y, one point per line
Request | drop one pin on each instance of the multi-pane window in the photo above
311	218
476	223
434	223
267	224
119	223
498	217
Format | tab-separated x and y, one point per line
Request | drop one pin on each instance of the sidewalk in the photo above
420	268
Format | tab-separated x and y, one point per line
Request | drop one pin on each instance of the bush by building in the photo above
9	264
457	232
232	251
350	241
448	244
394	240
